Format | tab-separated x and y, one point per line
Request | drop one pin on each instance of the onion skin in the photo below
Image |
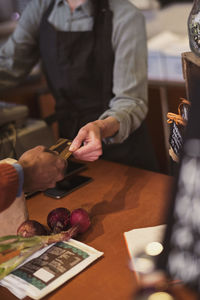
28	240
59	219
31	228
79	217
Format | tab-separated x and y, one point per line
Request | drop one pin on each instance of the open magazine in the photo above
137	241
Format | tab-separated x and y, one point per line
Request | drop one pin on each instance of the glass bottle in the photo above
194	28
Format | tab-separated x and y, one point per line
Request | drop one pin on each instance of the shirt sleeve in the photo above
20	53
20	172
129	104
9	185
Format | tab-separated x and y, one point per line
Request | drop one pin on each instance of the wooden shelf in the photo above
190	56
191	74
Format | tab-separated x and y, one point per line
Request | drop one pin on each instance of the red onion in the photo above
30	228
59	219
81	218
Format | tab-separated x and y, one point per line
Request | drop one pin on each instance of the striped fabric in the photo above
8	185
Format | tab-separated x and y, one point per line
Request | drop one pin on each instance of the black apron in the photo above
79	70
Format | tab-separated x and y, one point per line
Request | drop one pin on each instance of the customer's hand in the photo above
42	169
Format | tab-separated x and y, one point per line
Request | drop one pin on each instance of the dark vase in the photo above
194	28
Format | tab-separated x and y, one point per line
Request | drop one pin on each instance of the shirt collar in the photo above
59	1
86	7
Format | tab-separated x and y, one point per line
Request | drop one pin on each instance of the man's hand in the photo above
42	169
87	144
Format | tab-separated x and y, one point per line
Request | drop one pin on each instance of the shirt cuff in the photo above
20	172
123	131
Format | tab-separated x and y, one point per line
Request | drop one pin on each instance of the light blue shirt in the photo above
129	104
20	172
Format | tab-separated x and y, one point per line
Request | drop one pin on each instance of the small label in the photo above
54	262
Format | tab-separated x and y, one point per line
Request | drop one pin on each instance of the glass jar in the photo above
194	28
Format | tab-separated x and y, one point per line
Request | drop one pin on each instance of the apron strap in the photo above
103	32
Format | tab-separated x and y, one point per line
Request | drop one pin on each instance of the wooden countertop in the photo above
119	198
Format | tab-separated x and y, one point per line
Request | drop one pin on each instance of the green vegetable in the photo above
28	246
79	220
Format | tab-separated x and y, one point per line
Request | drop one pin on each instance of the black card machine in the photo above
72	180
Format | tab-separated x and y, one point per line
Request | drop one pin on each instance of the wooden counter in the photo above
119	198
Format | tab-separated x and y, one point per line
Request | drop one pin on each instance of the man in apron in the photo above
93	54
